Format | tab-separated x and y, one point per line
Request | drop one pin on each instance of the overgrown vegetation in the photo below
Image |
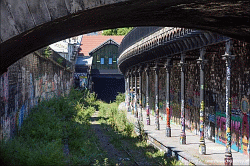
120	98
47	52
62	124
50	125
122	132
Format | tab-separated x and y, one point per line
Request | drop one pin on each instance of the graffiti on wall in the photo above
21	116
215	121
22	87
239	129
5	87
83	81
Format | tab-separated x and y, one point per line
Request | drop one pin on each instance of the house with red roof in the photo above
89	42
96	65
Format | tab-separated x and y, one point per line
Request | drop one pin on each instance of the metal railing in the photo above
136	35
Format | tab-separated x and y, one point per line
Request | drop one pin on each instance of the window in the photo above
110	61
98	58
117	60
102	61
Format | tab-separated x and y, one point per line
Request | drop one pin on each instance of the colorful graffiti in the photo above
239	131
24	85
214	121
83	81
6	87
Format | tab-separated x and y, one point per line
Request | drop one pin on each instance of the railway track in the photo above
132	157
120	151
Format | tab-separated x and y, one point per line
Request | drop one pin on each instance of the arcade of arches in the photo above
191	78
27	26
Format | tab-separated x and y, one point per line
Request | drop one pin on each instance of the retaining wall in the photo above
28	81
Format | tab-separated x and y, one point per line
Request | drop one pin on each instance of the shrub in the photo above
120	98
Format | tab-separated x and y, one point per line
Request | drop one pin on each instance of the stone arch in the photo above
29	25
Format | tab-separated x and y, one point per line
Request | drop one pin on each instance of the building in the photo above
67	48
101	75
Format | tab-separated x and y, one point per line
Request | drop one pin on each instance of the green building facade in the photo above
106	81
105	56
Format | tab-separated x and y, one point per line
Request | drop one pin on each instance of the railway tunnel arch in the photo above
29	25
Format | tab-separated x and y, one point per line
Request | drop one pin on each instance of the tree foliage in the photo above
117	31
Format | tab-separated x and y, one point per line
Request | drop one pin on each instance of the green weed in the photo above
120	98
40	140
124	133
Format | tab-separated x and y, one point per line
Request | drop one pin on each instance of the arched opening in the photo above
24	31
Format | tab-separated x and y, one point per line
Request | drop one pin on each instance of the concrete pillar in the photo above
183	66
228	57
135	97
140	93
147	94
157	123
201	62
168	67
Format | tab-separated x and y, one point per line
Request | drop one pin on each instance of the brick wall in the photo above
215	83
28	81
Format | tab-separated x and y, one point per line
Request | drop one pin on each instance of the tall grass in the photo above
116	119
41	139
124	133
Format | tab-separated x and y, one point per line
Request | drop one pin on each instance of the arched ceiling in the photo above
27	25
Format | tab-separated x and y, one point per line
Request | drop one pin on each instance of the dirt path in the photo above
118	156
114	155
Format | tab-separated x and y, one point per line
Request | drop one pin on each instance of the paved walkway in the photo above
188	153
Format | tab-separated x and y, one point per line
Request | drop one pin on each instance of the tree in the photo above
117	31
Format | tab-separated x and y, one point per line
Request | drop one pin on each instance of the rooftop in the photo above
89	42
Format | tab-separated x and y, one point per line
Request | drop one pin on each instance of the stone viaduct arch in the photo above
27	25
